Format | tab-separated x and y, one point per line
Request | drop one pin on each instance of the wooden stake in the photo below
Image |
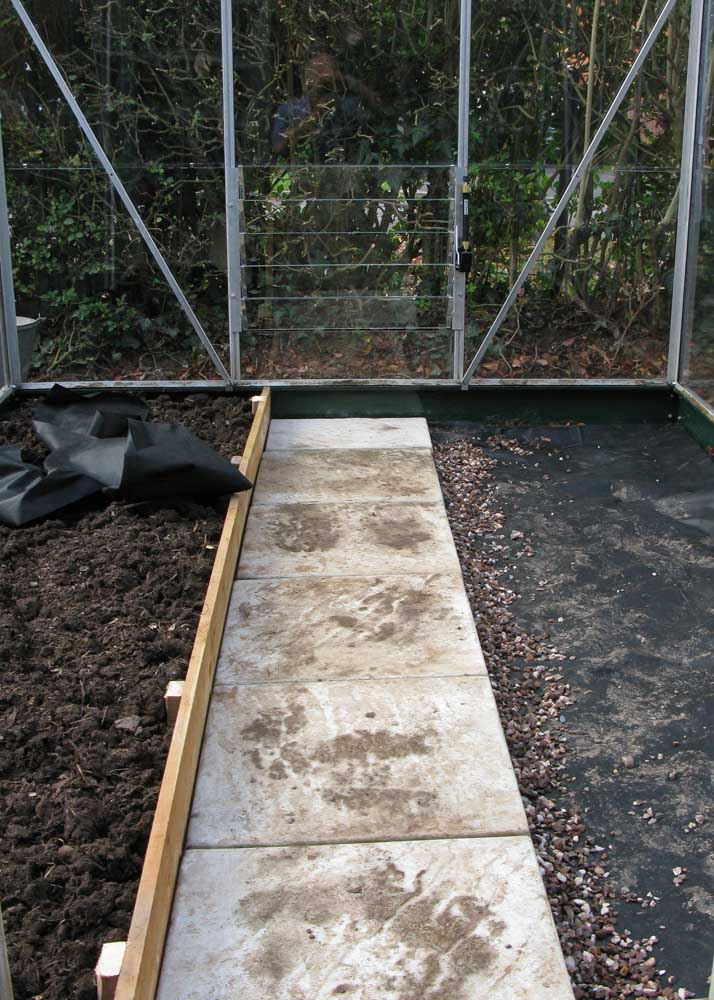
172	700
108	968
141	967
255	403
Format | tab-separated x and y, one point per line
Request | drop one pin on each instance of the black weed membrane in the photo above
599	543
101	443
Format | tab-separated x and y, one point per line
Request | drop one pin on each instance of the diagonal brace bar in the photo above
118	186
578	174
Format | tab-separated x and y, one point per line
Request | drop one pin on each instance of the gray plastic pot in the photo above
27	337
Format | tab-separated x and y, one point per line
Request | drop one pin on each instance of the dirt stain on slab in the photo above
441	940
446	945
363	746
305	528
404	602
267	731
404	802
398	534
269	727
354	770
385	614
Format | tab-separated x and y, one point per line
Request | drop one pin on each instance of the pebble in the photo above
130	723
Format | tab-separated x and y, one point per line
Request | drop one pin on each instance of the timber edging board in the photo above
141	966
696	418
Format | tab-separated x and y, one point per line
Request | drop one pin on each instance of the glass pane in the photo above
328	279
147	77
346	312
339	248
597	304
149	81
346	81
310	354
327	232
106	309
699	358
346	129
5	379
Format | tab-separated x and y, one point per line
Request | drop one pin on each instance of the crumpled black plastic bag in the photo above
103	443
151	461
63	415
28	495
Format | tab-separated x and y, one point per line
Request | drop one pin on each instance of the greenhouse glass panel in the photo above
9	364
149	83
79	264
597	303
346	132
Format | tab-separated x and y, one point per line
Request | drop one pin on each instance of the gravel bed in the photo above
529	676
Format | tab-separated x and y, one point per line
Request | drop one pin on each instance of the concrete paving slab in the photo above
337	539
435	920
349	432
314	628
394	474
354	760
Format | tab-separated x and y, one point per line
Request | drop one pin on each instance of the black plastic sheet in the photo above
102	443
609	542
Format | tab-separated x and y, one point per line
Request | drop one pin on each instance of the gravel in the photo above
529	678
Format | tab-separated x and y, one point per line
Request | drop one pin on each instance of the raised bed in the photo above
98	611
141	963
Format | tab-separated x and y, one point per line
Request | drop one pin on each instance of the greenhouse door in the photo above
344	167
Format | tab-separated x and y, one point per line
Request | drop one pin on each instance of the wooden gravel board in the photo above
142	961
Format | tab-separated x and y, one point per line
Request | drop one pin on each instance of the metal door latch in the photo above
464	253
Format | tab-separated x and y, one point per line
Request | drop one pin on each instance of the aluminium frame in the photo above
9	352
233	193
691	211
10	365
458	315
688	195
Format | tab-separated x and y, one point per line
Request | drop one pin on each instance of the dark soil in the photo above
98	611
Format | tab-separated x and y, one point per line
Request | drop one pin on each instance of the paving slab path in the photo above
356	829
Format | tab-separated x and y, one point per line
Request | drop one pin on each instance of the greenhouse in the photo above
356	499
